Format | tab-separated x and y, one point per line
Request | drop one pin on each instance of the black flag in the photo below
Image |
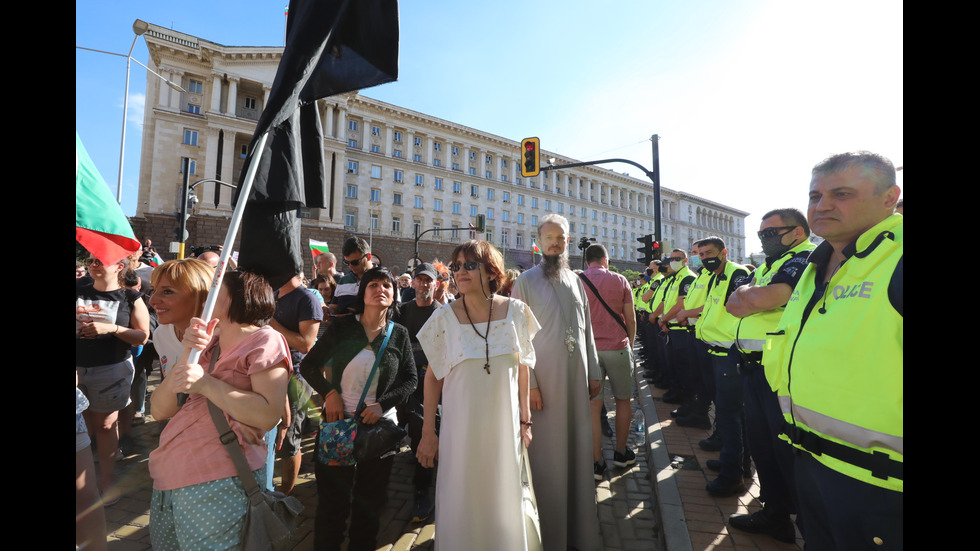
332	47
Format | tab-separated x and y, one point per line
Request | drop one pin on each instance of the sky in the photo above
745	96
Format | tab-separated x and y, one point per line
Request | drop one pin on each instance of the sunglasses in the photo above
773	232
676	259
468	266
355	262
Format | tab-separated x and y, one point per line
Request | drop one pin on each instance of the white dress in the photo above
478	488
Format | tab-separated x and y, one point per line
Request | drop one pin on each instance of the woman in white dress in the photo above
479	351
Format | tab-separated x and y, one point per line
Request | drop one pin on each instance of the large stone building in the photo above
390	170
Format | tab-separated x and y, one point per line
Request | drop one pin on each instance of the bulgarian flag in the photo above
318	247
100	225
534	248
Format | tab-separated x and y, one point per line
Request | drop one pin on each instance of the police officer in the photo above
759	305
838	356
679	361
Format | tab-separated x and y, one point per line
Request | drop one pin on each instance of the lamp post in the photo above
139	28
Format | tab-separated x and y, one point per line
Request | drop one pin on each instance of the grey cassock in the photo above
561	449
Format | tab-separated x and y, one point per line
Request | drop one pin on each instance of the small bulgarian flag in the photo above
534	247
318	247
100	225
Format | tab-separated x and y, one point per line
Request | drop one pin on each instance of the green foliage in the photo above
630	275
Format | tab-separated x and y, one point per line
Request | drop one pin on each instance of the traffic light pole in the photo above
654	176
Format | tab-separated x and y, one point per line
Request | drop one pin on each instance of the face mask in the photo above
694	264
773	246
711	264
662	269
676	265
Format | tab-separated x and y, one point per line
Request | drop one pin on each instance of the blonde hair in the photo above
189	275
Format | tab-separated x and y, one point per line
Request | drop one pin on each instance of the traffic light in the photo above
658	250
532	157
647	250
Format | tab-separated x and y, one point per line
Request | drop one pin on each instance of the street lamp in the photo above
139	28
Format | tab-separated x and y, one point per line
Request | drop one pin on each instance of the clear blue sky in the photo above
746	96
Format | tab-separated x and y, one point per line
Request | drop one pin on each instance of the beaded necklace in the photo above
486	337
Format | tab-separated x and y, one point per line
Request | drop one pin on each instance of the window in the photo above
437	205
503	163
544	187
418	141
519	240
534	220
438	228
418	201
472	155
457	187
351	167
375	130
397	153
375	148
503	177
193	166
490	194
595	214
436	162
534	202
593	230
195	87
398	199
419	180
191	108
489	216
518	181
351	143
520	200
489	159
374	222
489	175
456	208
352	125
604	232
376	172
375	195
455	233
506	197
190	137
244	151
397	136
547	205
416	226
249	103
474	191
351	191
455	166
583	213
417	158
532	183
489	235
396	224
520	218
350	219
472	171
455	150
398	176
436	146
583	228
438	184
473	210
561	208
506	216
504	237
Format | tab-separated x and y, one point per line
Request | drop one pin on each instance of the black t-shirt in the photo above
294	307
105	307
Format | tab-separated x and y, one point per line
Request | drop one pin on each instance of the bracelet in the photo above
117	328
528	423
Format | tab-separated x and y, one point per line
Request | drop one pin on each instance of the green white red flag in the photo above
100	225
534	248
318	247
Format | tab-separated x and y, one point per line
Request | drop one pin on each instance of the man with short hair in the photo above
758	305
563	380
836	359
357	256
406	292
298	316
413	315
679	375
326	265
614	328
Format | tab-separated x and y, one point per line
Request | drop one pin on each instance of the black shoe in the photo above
682	411
711	443
715	465
606	429
423	506
777	526
624	459
723	487
695	421
599	470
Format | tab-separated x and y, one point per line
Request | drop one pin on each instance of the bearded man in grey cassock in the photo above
565	377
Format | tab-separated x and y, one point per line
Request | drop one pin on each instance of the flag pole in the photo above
236	220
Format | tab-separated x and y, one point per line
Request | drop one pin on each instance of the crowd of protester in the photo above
447	352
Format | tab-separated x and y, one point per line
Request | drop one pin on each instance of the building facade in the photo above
392	172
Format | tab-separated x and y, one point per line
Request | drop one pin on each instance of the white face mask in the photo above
676	265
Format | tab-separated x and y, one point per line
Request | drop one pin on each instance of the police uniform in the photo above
680	362
837	360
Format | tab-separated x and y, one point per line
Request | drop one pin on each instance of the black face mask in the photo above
772	246
662	269
711	264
